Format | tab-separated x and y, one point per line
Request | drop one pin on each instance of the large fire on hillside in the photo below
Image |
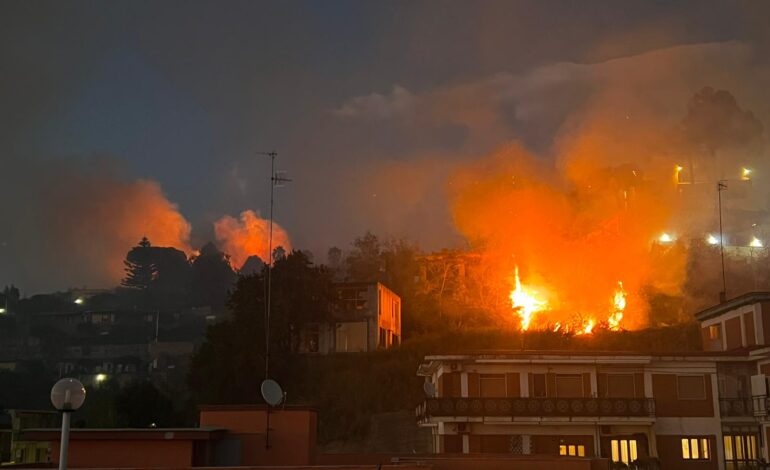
583	238
578	247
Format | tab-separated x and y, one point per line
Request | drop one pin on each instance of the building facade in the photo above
703	410
365	316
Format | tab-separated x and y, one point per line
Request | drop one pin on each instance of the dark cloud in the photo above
352	94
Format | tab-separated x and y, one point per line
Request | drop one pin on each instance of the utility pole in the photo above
721	186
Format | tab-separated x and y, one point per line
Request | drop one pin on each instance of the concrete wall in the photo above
292	433
117	453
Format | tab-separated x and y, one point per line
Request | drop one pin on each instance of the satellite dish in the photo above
429	389
272	392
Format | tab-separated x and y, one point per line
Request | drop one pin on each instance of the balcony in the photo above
736	407
536	407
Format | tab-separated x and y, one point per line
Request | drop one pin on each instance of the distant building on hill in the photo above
366	316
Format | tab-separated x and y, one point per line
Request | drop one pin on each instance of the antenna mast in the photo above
721	186
275	180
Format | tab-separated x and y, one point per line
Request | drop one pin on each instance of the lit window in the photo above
624	450
695	449
714	332
572	450
740	448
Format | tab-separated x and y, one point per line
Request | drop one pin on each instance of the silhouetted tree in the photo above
253	265
365	262
212	277
227	368
139	266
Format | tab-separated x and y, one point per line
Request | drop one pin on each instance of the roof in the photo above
255	407
430	363
732	304
194	434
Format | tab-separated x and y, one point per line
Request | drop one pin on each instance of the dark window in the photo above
312	335
538	385
620	385
691	387
569	386
453	444
492	385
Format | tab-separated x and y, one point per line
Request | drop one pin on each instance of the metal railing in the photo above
733	407
536	407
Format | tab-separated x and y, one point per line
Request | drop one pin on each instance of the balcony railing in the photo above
733	407
537	407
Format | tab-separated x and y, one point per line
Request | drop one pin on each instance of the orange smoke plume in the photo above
248	236
98	219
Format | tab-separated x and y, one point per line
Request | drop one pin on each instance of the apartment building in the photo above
703	410
365	316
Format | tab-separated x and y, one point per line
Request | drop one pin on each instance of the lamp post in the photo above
67	395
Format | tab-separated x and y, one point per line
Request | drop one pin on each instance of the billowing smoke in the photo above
248	235
590	220
72	225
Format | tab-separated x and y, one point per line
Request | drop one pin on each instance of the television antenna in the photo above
277	179
721	186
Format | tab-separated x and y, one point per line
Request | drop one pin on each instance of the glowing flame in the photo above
756	243
588	328
619	305
526	302
665	238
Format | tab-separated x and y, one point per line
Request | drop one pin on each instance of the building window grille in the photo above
740	451
517	445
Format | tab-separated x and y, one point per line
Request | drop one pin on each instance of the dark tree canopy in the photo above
212	277
301	292
161	274
139	266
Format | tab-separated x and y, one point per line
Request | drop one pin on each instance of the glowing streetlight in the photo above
100	378
2	311
756	243
665	238
677	173
745	174
67	395
79	301
712	240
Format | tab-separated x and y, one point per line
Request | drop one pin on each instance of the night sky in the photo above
370	104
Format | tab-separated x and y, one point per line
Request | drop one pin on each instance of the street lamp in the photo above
67	395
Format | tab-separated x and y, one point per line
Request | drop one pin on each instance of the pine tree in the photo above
139	266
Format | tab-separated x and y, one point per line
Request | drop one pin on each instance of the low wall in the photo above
468	461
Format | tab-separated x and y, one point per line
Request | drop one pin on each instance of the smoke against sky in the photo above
370	116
